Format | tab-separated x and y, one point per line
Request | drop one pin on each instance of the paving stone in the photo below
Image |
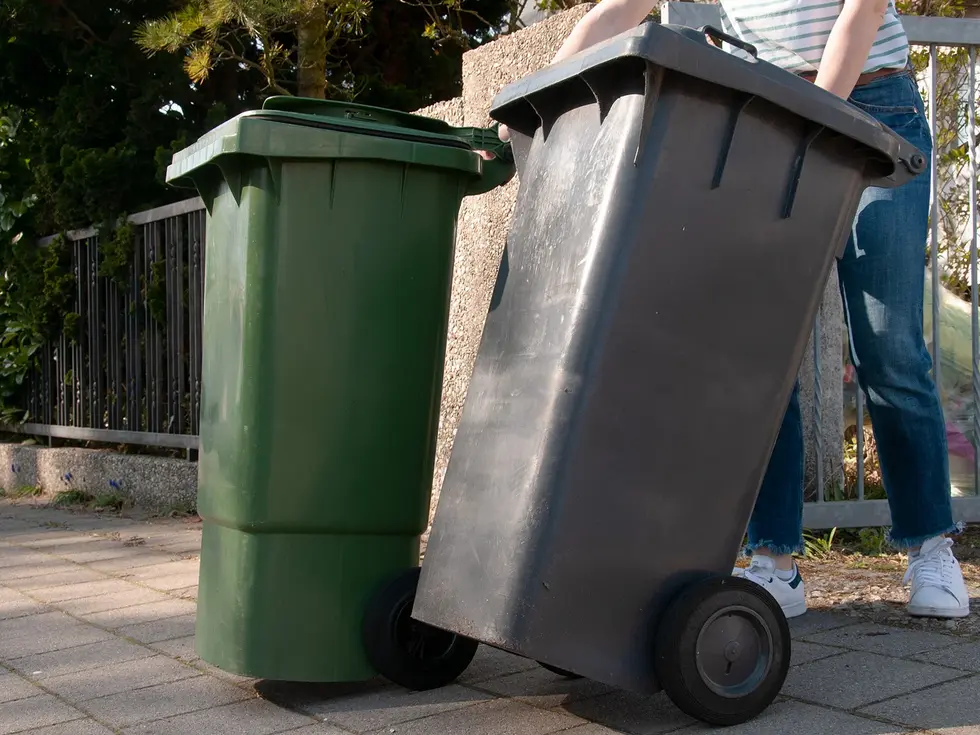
950	708
153	534
39	711
501	717
168	569
16	556
179	648
93	588
187	593
322	728
593	728
130	561
137	614
104	551
189	545
255	717
164	700
132	596
56	543
32	536
54	571
374	709
16	605
160	630
116	678
965	656
13	687
804	652
544	689
65	549
38	512
80	658
874	638
211	670
45	632
75	727
858	678
786	717
173	582
492	663
105	526
816	621
13	524
630	713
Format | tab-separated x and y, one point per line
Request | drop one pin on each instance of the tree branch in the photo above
228	54
73	16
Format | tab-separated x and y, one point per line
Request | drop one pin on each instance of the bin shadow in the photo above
502	272
300	695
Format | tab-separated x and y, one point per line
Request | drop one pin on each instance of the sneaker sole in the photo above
795	610
942	613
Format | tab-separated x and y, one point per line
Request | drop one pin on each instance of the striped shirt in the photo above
792	34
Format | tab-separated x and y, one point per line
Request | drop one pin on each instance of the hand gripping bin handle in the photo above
597	76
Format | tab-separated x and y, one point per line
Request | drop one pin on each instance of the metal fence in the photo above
938	38
131	371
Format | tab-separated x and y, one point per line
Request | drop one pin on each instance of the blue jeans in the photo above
882	277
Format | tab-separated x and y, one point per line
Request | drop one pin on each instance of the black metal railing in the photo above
130	371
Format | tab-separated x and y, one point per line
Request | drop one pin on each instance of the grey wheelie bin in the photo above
680	210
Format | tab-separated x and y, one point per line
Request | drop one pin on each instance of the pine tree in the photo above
289	42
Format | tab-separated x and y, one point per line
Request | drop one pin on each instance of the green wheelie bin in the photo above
329	259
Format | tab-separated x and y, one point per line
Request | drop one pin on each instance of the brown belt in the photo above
871	76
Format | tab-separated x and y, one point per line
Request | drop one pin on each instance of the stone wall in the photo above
485	220
151	483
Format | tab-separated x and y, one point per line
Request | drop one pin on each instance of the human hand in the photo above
504	133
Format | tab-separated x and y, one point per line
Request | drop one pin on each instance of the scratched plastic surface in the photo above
679	212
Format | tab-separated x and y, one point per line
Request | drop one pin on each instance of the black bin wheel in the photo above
405	651
559	672
723	650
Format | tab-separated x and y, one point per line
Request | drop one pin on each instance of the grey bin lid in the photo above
535	100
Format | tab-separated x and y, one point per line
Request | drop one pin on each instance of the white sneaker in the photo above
788	593
938	590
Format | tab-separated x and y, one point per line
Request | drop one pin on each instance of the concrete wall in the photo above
484	222
153	483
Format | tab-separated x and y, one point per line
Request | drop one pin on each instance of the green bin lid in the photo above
300	128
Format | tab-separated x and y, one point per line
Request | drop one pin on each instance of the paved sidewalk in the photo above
96	637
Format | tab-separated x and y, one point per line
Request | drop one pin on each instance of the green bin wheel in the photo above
405	651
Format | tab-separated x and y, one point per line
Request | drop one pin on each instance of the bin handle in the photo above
712	32
498	170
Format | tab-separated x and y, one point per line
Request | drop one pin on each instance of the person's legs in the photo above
776	528
882	280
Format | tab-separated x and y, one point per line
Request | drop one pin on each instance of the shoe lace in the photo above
933	569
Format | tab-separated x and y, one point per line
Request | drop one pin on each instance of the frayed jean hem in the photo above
915	541
774	549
